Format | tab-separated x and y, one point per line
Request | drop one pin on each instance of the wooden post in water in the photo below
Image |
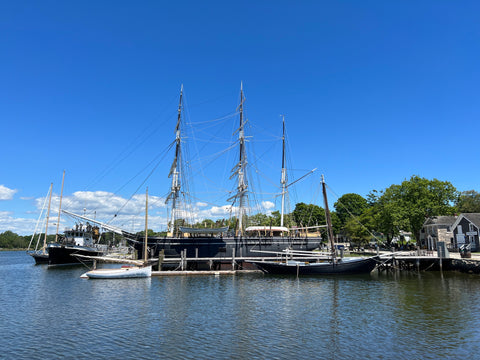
233	259
161	257
418	258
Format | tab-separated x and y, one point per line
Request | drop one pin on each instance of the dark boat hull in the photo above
40	258
351	267
60	255
226	247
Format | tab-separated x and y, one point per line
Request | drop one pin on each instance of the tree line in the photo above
385	213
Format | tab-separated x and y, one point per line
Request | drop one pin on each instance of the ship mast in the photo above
240	167
174	170
48	215
60	206
283	180
145	242
328	218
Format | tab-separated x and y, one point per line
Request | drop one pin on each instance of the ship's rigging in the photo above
181	173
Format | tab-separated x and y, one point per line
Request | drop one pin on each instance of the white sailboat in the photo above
41	255
139	269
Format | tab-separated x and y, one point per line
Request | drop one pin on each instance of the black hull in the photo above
39	258
360	266
60	255
216	247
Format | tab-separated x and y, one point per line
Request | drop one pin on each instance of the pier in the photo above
419	260
423	260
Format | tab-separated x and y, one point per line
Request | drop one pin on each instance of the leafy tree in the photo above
260	220
468	202
406	206
349	205
308	215
360	228
11	240
150	232
336	223
276	217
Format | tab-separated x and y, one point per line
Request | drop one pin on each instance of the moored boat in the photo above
124	272
40	255
345	266
327	264
80	240
144	269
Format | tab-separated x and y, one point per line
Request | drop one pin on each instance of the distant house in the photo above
437	228
465	231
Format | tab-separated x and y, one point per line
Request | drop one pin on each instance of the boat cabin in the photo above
82	235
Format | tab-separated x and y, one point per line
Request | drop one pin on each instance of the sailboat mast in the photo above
145	242
60	206
283	180
328	218
48	215
174	172
242	186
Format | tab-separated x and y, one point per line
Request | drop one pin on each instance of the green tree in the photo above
360	228
11	240
336	223
260	220
468	202
406	206
308	215
349	205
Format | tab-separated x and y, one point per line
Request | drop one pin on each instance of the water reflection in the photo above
55	314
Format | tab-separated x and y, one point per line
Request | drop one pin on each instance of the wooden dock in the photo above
204	272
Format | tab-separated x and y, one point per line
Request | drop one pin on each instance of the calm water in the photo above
54	314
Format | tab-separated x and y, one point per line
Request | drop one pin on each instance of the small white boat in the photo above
124	272
141	269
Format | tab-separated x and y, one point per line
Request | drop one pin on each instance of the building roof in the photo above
473	218
441	220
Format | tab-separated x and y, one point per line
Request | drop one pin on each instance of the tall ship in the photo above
236	239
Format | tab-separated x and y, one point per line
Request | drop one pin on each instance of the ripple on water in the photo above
55	315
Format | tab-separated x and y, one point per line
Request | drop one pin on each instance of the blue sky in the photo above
373	92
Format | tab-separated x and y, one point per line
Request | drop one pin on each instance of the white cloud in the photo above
267	205
130	214
6	193
108	208
19	226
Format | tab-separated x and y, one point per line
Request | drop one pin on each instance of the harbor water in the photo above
54	314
